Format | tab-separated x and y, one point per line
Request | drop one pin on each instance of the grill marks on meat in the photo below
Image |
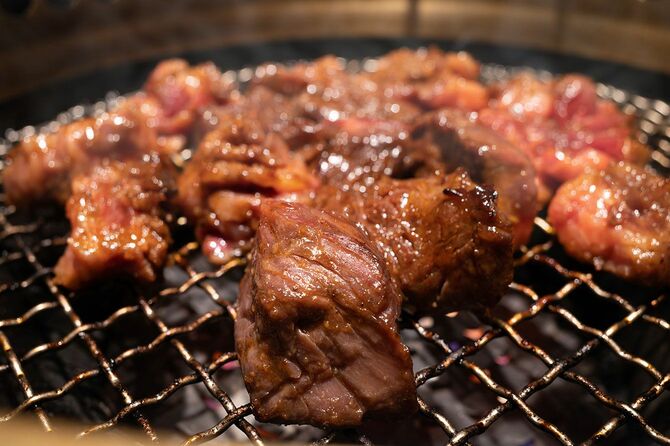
619	220
458	141
316	330
221	189
441	237
562	126
117	228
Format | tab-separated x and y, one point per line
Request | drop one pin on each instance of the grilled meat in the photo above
619	220
324	90
182	92
316	330
234	168
354	153
458	141
431	78
41	167
441	237
562	126
117	223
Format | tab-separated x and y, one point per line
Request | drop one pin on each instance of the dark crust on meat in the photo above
441	237
489	159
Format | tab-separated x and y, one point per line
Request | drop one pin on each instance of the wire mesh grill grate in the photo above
26	243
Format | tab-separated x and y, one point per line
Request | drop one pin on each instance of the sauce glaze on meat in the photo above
116	214
458	141
563	127
441	237
618	219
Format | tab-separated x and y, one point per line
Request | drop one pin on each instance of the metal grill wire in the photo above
22	242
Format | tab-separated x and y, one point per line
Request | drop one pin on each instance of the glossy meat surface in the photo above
562	125
441	237
459	141
221	189
619	220
354	153
156	119
117	223
182	91
316	330
41	167
431	78
323	90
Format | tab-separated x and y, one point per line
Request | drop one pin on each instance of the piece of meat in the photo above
458	141
316	330
619	220
441	237
234	168
182	91
354	153
307	94
117	223
431	78
563	126
40	168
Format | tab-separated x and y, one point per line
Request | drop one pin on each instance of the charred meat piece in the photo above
563	126
117	223
441	237
619	220
489	159
431	78
221	189
316	331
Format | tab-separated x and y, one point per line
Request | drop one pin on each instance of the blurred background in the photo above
42	41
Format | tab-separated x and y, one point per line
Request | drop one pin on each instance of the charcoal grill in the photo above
570	356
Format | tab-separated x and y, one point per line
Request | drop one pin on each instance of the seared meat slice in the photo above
41	167
618	219
221	189
562	126
182	91
316	330
117	226
488	158
353	153
323	90
441	237
431	78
